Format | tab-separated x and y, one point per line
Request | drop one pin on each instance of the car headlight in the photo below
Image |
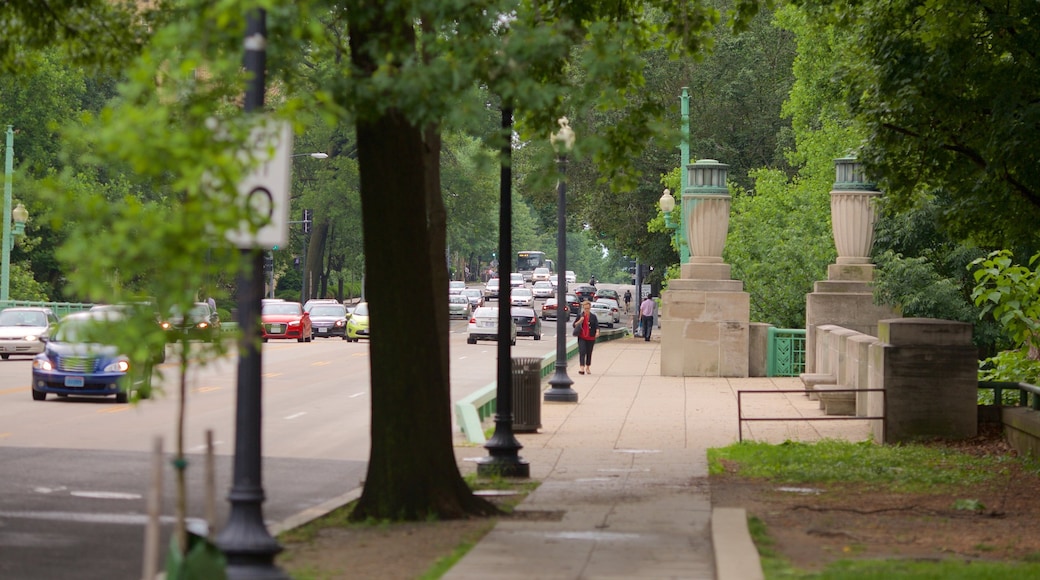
119	366
32	338
165	325
202	325
43	364
294	323
340	323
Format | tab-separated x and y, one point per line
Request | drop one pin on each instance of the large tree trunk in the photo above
412	473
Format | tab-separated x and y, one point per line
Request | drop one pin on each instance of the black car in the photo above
608	293
329	320
527	322
584	292
201	323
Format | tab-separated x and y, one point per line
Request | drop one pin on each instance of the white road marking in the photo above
200	448
105	495
129	519
295	416
356	395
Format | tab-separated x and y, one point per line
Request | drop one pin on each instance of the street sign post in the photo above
264	193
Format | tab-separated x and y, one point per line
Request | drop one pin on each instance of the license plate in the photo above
277	329
74	381
321	330
485	324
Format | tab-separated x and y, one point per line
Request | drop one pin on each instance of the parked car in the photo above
615	308
540	275
200	323
329	320
456	287
483	325
475	297
25	330
570	277
285	320
75	361
521	297
527	322
357	324
543	289
603	314
516	280
459	307
584	292
491	289
608	293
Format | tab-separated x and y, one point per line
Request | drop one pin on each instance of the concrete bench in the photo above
836	403
810	380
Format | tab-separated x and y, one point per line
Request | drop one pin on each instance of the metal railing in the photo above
1028	395
60	309
741	419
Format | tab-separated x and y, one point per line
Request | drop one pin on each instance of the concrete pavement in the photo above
625	490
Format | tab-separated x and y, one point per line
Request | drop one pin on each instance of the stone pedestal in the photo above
845	299
705	326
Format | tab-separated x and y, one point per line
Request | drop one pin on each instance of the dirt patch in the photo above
812	525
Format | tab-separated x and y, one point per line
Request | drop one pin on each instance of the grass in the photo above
900	468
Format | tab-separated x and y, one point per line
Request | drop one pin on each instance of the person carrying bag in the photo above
586	328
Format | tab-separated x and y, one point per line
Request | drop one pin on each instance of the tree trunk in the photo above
412	471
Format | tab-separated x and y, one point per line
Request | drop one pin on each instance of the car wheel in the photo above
121	397
38	396
512	342
611	324
5	356
471	340
345	337
263	340
538	336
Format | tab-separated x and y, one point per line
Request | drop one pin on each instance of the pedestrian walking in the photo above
628	301
646	316
586	328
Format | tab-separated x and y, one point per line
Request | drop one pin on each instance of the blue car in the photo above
71	364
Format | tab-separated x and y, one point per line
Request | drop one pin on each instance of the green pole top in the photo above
849	175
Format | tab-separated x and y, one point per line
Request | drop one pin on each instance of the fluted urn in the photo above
852	212
705	209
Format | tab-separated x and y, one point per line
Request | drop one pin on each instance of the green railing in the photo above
785	352
60	309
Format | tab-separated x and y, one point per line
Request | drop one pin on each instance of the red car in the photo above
285	320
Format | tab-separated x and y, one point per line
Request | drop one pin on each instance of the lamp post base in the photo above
560	387
503	466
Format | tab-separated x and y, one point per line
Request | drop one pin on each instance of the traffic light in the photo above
307	220
268	262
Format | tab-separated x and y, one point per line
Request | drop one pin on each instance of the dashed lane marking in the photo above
116	409
356	395
295	416
320	363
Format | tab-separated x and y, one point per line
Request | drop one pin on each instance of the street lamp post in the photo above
19	214
560	383
667	203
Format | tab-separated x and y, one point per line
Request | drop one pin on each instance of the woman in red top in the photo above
588	331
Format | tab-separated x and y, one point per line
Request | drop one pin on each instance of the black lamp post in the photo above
248	546
560	383
503	448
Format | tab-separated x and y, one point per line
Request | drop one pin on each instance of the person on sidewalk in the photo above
646	316
586	328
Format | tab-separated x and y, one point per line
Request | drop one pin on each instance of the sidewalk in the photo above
625	491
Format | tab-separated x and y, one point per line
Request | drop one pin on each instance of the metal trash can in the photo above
527	394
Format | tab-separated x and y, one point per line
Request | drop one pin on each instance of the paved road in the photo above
75	472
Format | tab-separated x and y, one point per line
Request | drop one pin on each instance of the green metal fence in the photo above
785	352
60	309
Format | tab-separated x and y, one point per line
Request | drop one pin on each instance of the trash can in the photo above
527	394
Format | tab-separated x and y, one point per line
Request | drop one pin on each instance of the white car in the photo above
540	275
602	310
459	306
25	330
456	287
491	289
483	325
615	308
543	289
521	297
570	277
516	280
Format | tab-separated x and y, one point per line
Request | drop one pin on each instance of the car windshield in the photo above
22	318
521	292
456	284
289	308
362	309
493	283
458	299
471	292
330	310
85	329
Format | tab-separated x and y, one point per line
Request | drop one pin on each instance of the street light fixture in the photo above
560	383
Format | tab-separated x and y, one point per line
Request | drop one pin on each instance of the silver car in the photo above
544	289
603	313
25	330
459	307
484	325
521	297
